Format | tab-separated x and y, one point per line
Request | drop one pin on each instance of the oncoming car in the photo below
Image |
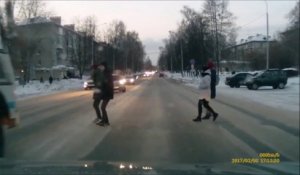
130	79
119	83
89	84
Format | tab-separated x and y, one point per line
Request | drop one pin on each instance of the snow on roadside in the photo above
287	98
35	88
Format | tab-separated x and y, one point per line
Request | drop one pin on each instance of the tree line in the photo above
200	36
208	33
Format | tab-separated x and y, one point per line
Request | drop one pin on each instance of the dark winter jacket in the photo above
107	88
98	78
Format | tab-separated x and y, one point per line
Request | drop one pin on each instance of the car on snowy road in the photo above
89	84
276	78
119	83
130	79
238	79
291	72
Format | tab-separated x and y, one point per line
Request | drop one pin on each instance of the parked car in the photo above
130	79
272	77
89	84
119	83
238	79
161	74
291	72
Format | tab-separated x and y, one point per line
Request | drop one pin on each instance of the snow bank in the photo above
287	98
35	88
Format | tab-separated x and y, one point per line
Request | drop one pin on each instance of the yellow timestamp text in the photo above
263	158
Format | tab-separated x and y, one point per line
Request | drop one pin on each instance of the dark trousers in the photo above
103	109
212	91
205	103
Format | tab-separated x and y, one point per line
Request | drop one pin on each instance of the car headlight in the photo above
123	81
85	84
131	80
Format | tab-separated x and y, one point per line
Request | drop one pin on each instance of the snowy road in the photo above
152	122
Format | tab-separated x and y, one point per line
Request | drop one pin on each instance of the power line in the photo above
256	19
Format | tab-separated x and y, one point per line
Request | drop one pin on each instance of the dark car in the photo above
272	77
119	83
291	72
238	79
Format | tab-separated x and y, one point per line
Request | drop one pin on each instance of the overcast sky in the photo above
154	19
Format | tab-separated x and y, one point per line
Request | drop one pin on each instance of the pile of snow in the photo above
287	98
60	67
35	88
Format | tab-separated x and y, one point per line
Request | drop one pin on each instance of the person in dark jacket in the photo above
103	81
50	79
213	81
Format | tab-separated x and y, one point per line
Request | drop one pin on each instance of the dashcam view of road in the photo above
215	92
150	123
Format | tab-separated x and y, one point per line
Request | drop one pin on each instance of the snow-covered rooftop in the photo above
63	67
257	37
35	20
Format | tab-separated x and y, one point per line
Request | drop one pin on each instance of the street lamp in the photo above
267	39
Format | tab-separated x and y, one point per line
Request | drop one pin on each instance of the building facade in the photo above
238	57
46	48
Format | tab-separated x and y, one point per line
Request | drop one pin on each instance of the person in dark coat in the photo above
50	79
103	81
213	81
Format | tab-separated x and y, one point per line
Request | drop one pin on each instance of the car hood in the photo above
111	168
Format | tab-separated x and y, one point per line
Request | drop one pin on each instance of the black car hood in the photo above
8	167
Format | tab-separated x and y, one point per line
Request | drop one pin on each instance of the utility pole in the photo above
181	56
267	39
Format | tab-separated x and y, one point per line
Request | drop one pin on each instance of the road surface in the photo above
151	122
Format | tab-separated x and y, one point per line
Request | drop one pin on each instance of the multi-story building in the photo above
237	59
48	48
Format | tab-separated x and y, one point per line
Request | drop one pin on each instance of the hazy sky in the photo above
154	19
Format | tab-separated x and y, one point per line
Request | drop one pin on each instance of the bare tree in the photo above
294	16
27	9
221	24
84	47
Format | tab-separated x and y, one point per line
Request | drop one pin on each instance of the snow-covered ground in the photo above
35	88
287	98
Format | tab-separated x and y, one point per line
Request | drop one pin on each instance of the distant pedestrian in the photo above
204	88
102	77
50	79
41	80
